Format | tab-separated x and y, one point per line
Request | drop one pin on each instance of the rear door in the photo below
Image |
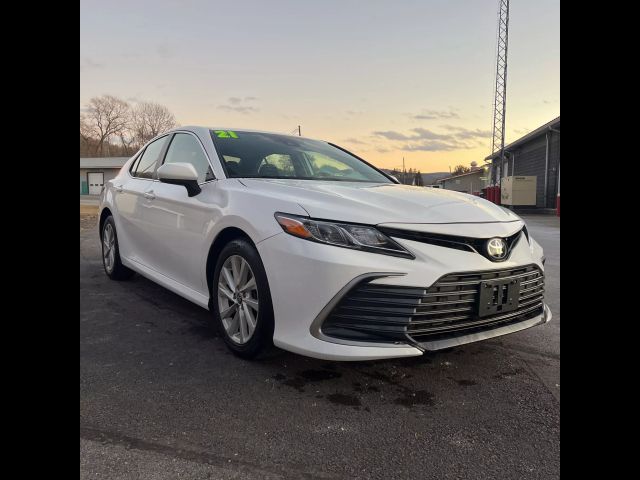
134	236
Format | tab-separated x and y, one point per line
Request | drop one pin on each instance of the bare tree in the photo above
86	135
460	169
109	125
106	116
149	120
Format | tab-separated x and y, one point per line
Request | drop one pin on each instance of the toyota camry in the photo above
298	243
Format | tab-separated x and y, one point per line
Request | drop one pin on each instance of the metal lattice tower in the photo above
500	95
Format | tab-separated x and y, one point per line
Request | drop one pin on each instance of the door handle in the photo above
118	188
150	195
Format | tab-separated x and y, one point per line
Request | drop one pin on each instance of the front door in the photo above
178	223
96	181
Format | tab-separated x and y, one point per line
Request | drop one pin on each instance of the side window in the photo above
147	163
276	165
187	149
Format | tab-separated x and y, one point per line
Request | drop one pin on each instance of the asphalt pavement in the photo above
162	397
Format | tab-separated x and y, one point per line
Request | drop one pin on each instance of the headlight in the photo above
357	237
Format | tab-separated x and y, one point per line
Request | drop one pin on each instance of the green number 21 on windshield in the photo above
225	134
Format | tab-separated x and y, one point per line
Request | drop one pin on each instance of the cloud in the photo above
390	135
432	146
436	115
464	133
355	141
87	63
164	51
420	134
239	109
422	139
238	105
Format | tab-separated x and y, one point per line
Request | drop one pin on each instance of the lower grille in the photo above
448	308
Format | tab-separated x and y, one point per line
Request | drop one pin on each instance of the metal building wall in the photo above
530	159
465	184
554	161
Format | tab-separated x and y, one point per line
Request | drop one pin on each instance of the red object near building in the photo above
497	194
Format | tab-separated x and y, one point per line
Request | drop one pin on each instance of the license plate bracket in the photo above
498	296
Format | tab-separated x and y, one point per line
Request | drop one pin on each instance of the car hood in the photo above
375	203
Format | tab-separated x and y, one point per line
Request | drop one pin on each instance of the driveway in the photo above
162	397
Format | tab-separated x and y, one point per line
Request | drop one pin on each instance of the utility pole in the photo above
404	172
299	131
500	94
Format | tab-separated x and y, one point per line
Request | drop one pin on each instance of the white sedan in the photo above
302	244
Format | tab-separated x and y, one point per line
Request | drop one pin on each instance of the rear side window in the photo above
146	165
185	148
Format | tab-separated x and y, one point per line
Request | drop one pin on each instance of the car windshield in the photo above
268	155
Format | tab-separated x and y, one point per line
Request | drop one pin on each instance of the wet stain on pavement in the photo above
297	382
466	383
358	387
346	400
319	375
203	331
418	397
307	376
510	373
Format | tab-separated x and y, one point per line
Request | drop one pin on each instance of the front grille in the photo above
466	244
448	308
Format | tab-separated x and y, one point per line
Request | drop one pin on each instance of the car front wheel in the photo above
241	300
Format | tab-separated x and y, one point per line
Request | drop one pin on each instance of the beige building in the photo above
472	182
95	172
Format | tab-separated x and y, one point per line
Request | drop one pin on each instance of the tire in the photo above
111	262
260	338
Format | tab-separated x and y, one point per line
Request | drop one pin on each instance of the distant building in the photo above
471	182
535	154
409	179
94	172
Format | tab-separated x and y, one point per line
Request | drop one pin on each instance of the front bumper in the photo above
307	281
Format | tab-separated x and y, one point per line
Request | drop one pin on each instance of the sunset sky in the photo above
385	79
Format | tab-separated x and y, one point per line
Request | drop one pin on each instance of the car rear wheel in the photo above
241	300
113	266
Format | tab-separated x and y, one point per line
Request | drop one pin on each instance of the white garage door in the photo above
96	180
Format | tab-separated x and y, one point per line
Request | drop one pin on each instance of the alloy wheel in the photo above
238	299
108	247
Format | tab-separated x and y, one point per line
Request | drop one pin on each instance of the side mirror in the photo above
180	174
